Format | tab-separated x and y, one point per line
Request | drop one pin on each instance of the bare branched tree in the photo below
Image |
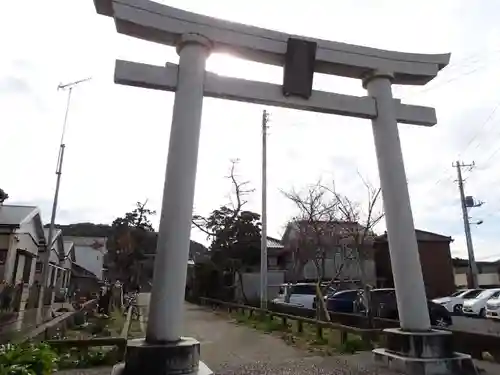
359	222
237	200
314	234
332	222
232	231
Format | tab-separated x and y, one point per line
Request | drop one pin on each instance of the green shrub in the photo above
93	357
353	345
27	359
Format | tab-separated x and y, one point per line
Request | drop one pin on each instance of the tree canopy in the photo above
3	196
131	235
234	233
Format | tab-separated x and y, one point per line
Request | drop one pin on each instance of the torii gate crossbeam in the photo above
196	36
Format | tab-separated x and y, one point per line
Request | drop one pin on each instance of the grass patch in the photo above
329	343
96	325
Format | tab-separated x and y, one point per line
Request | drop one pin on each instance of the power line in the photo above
488	119
451	68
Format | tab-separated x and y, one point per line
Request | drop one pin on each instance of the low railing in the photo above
366	335
45	330
84	345
478	345
352	320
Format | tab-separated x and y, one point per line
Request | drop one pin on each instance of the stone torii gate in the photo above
415	346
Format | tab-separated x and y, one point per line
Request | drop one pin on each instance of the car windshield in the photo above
348	294
486	294
495	295
331	291
473	294
457	293
309	289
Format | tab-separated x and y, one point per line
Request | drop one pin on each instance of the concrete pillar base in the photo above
423	353
176	358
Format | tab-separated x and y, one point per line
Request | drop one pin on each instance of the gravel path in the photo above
228	348
231	349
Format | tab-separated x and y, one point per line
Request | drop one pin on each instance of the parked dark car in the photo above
383	305
328	293
342	301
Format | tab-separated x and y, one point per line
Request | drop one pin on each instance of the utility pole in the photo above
472	274
48	246
263	239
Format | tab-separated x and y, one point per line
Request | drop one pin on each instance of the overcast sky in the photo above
117	136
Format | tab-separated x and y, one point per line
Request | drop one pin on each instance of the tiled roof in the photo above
422	235
14	215
79	271
98	243
273	243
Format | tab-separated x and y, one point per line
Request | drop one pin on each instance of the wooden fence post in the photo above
319	332
343	337
300	326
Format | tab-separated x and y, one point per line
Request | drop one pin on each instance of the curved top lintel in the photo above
159	23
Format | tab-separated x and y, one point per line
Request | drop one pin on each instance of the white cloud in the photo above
118	136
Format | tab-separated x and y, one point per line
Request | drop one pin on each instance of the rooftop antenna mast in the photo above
48	246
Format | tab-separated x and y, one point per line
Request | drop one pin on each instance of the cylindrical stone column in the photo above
403	247
166	310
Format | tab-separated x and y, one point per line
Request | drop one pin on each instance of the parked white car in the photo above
301	294
455	302
493	307
477	306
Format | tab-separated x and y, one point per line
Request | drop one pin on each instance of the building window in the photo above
3	256
38	267
272	261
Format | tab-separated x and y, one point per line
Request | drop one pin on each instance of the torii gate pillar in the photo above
415	348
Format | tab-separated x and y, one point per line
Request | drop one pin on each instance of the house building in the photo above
83	282
435	259
327	248
85	256
21	239
56	271
67	261
488	273
89	253
197	254
249	287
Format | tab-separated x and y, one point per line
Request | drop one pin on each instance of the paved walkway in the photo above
231	349
228	348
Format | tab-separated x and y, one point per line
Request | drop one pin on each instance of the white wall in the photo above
25	238
251	284
350	270
4	240
482	278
